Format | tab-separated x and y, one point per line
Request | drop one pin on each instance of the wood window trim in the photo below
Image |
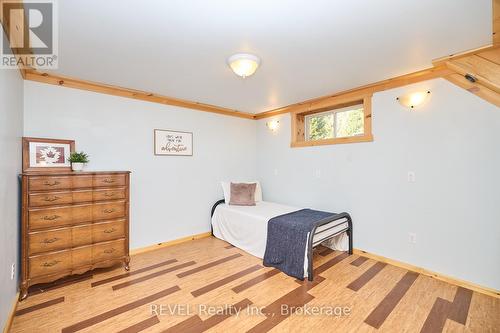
298	124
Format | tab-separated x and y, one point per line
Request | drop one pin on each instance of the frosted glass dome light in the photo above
243	64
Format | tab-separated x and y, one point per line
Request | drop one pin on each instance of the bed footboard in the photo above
328	223
221	201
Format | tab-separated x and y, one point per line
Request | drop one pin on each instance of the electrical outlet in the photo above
412	238
12	271
317	173
275	172
411	177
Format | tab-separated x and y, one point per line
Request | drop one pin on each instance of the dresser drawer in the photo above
54	217
109	180
109	194
50	199
110	210
45	241
46	264
50	263
59	239
105	231
48	183
59	198
108	250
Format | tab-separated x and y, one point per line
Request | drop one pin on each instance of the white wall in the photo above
11	129
171	196
451	144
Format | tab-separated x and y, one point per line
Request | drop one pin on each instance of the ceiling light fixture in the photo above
243	64
414	99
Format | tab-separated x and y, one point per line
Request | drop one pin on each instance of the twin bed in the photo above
246	227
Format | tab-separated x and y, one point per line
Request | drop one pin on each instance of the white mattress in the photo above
246	227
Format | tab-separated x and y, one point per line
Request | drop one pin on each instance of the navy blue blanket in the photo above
287	240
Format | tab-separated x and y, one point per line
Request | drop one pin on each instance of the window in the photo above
340	123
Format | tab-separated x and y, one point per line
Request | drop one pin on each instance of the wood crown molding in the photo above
340	97
58	80
16	21
478	71
438	276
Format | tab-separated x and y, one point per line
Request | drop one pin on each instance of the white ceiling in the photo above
308	49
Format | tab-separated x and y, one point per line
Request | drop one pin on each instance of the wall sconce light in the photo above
414	99
273	125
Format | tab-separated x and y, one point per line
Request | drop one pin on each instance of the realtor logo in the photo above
30	39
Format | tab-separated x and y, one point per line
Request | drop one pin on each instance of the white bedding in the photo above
246	227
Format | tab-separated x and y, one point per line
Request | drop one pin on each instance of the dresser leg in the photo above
127	263
23	293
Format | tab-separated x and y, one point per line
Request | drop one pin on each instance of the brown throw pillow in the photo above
243	194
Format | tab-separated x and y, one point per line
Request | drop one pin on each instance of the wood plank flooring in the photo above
207	285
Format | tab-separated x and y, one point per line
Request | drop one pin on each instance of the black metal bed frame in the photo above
311	243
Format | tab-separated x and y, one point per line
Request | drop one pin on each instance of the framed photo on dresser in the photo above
47	154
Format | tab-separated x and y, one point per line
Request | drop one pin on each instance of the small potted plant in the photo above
78	160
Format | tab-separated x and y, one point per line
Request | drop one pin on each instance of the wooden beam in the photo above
492	55
340	97
16	22
475	88
57	80
441	61
484	71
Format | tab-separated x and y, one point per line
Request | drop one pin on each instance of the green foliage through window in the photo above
335	124
321	127
349	123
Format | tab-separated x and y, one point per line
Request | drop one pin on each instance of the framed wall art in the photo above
47	154
176	143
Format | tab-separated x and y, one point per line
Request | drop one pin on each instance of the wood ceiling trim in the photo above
475	88
478	71
338	98
485	72
441	61
58	80
17	21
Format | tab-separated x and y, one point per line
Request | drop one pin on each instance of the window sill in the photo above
335	141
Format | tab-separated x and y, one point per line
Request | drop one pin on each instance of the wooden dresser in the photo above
72	222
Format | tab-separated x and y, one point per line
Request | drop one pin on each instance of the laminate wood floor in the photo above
207	285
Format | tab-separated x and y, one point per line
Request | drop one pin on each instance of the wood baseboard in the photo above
10	318
169	243
438	276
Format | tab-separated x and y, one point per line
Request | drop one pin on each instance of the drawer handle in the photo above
109	231
53	183
112	194
109	251
51	218
108	181
49	199
107	211
51	263
50	240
